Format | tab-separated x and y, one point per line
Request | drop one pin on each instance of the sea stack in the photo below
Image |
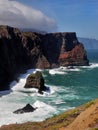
26	109
35	80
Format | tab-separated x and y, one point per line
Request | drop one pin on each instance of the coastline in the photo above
25	49
64	120
37	55
19	95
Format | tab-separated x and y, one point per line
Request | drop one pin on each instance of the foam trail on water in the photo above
19	86
40	104
91	66
70	68
56	71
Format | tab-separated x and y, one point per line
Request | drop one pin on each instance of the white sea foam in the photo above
38	69
56	71
63	70
69	68
18	97
91	66
8	117
75	69
40	104
45	94
19	86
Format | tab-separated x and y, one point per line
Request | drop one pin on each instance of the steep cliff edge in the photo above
13	54
26	49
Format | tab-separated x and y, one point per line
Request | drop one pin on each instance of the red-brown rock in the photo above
77	57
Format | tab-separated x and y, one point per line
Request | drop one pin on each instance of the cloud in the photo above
15	14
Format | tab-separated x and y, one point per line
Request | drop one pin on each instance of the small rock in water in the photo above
27	108
40	92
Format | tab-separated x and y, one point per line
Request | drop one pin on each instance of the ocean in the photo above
69	88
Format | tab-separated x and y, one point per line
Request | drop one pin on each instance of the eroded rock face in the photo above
19	50
64	49
75	57
35	80
27	108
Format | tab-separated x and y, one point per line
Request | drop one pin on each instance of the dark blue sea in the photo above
68	88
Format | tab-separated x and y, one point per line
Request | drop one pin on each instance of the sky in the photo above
80	16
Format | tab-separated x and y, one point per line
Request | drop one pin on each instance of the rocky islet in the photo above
26	109
36	80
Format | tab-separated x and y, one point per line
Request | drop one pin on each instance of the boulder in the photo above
35	80
27	108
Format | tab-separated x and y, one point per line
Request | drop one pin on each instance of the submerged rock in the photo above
27	108
35	80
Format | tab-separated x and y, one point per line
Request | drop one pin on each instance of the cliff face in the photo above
63	49
26	49
13	55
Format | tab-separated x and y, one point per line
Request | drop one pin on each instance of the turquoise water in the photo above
77	87
68	88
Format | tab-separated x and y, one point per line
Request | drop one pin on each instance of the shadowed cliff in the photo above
22	50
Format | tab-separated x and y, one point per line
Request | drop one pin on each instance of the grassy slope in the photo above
54	123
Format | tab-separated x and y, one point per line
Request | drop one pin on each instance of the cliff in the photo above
19	50
84	117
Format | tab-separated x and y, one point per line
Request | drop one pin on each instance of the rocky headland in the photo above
22	50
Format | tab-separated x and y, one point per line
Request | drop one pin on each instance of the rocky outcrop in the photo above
27	108
35	80
19	50
75	57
